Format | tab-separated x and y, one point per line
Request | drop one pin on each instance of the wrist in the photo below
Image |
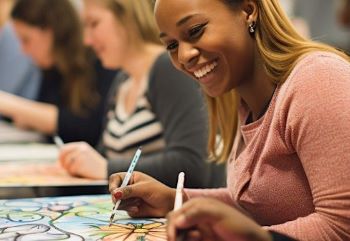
172	196
101	171
185	197
259	235
104	171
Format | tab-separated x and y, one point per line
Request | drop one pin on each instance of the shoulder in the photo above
318	84
163	67
168	83
10	49
119	79
162	61
321	59
319	65
7	33
318	71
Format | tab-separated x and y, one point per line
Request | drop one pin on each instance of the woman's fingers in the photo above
196	214
157	198
69	152
115	180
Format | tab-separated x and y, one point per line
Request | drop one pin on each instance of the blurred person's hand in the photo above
80	159
209	219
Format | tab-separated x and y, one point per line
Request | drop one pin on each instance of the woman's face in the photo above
105	34
207	40
36	42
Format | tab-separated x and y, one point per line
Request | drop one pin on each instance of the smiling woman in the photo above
18	74
36	42
216	45
153	105
280	105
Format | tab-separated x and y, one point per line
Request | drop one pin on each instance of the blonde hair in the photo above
136	15
280	47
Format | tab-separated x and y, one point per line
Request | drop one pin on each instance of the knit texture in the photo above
293	175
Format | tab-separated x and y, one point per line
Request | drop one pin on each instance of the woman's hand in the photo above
29	114
209	219
80	159
143	197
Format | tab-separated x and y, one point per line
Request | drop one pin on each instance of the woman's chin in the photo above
44	65
213	92
108	64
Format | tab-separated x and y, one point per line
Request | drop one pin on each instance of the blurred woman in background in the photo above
70	101
18	74
280	104
154	105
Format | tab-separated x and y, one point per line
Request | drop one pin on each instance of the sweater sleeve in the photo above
222	194
177	103
280	237
317	128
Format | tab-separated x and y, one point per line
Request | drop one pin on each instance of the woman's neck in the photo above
139	61
258	91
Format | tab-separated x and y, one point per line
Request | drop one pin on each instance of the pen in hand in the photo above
179	188
58	141
126	181
180	234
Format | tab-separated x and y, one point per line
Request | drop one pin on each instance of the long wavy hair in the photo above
70	56
280	47
136	15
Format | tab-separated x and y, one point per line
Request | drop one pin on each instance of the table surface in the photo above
30	169
11	134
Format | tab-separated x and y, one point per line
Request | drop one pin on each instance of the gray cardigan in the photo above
177	102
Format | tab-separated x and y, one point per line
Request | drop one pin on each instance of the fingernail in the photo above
118	195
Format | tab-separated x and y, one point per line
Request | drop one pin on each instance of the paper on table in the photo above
20	152
11	134
21	174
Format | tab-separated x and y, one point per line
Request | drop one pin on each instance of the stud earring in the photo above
252	27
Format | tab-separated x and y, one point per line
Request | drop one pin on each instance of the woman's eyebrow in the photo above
179	23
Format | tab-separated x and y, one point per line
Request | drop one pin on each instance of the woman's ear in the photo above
250	9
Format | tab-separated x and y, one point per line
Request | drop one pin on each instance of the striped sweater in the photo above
170	122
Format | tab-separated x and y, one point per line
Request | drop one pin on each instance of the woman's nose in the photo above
187	55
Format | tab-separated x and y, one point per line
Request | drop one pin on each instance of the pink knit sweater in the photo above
293	175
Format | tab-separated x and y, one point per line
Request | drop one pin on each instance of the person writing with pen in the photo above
280	103
152	104
72	93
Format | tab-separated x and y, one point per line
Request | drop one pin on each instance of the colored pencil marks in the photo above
73	218
136	230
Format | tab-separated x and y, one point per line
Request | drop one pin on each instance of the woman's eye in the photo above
197	30
172	46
